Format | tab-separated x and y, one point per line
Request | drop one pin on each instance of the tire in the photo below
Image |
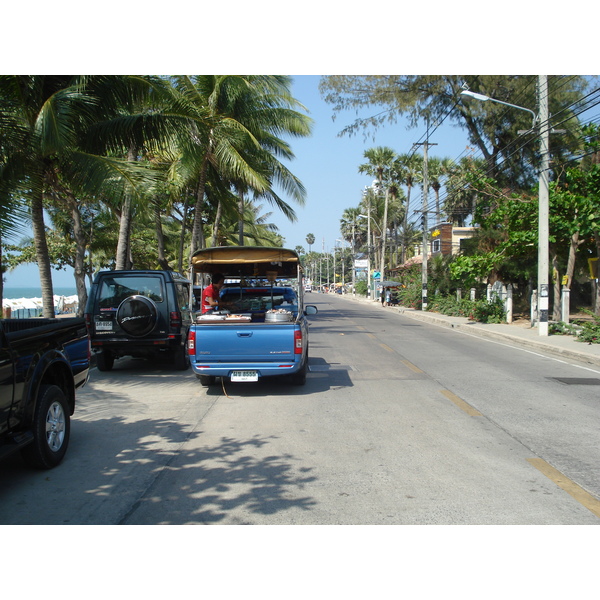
51	429
299	377
137	316
105	360
206	380
181	359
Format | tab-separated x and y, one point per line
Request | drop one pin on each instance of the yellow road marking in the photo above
472	412
371	336
412	367
569	486
386	347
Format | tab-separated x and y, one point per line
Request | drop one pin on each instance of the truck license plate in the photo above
244	376
104	326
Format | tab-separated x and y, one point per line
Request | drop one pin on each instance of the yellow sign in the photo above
435	233
593	262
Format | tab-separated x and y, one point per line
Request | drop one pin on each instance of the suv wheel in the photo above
105	360
137	315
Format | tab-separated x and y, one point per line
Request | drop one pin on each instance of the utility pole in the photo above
425	145
543	228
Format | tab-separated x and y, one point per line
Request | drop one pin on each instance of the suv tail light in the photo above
175	319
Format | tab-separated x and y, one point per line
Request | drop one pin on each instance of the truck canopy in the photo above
248	261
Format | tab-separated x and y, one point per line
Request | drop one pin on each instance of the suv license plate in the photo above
244	376
104	326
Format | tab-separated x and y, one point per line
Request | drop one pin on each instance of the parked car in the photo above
143	314
265	333
42	364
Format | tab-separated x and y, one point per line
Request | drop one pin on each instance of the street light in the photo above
543	202
483	98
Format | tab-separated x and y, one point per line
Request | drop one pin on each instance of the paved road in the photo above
400	422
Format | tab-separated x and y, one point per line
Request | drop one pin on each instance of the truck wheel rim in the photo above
55	427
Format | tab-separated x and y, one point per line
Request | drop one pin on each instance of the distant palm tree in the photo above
381	160
437	169
310	240
410	171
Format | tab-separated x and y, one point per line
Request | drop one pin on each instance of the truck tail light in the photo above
191	343
175	319
297	342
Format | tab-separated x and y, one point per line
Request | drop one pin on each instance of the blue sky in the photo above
328	164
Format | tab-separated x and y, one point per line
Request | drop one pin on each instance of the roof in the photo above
250	261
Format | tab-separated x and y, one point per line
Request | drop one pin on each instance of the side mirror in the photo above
310	309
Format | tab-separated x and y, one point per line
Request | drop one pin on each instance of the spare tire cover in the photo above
137	315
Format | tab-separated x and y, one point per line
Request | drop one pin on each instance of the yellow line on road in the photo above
569	486
386	347
472	412
412	367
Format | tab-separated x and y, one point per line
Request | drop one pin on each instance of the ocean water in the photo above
15	293
11	293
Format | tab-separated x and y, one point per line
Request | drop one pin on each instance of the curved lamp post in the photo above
543	210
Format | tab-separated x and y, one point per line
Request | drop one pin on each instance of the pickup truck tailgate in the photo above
239	342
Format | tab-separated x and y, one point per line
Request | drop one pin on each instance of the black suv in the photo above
139	313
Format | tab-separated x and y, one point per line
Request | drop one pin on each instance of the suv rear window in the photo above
113	290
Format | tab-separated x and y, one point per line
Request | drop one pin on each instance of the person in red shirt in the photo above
210	294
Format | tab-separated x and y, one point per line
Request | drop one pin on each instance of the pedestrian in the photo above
210	294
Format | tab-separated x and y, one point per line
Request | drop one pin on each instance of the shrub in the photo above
590	330
489	312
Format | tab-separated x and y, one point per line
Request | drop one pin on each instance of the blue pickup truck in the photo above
263	331
42	364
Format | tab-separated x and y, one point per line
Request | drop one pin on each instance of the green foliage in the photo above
489	312
450	306
361	288
410	294
481	311
590	330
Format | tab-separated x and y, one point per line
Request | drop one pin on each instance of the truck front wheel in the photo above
51	429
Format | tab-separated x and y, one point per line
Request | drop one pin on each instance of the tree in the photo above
409	169
234	122
51	119
492	128
310	240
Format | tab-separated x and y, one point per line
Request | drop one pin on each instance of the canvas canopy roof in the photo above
247	261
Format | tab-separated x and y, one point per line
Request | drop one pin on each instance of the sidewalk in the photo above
563	346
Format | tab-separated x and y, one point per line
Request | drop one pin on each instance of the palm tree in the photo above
234	122
409	168
51	116
380	163
310	240
437	169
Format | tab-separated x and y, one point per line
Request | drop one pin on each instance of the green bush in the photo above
449	305
361	288
478	310
489	312
590	330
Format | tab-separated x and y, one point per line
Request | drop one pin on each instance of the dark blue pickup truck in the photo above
42	364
